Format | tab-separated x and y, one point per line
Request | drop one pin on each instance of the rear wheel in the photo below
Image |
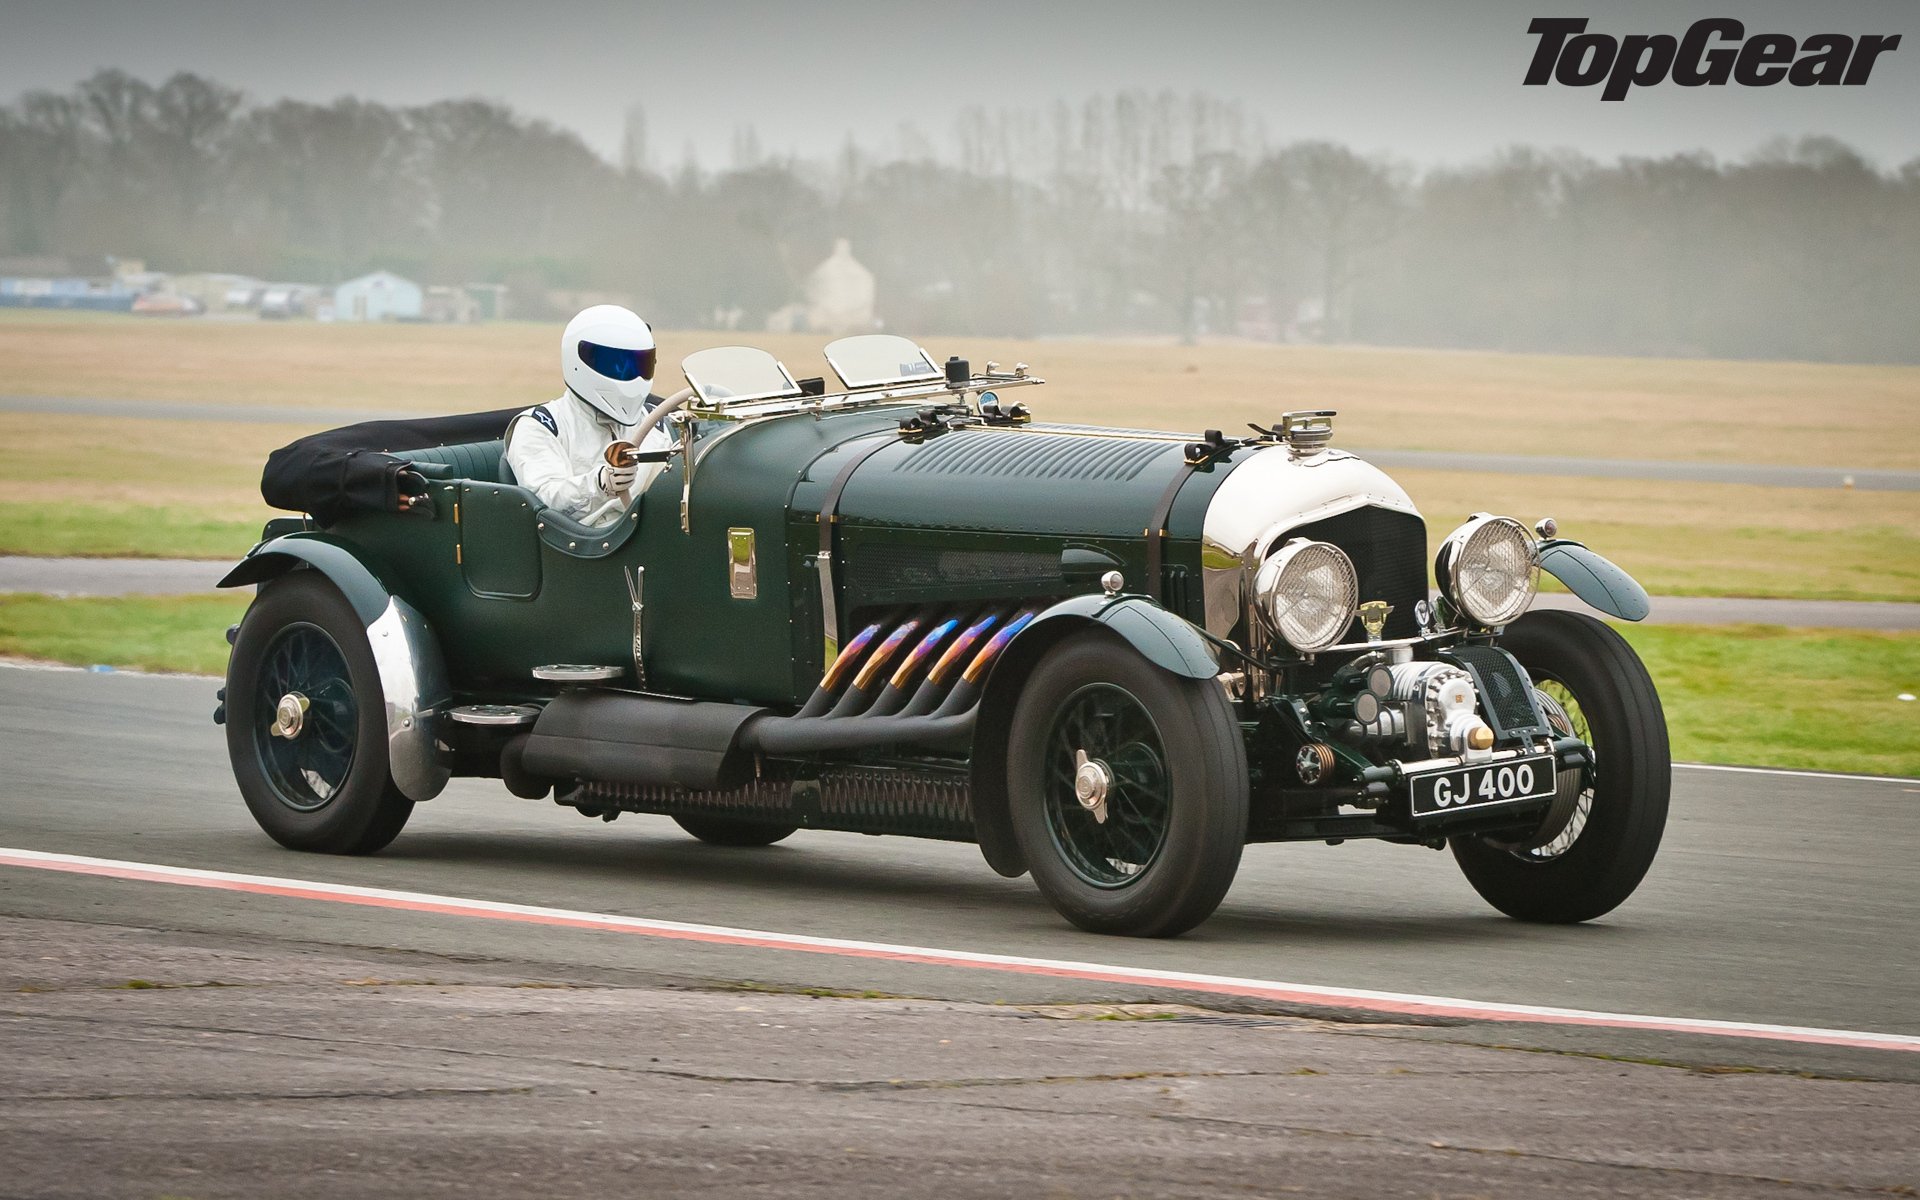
1128	789
306	722
734	831
1600	849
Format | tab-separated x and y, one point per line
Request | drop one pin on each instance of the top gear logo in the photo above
1711	53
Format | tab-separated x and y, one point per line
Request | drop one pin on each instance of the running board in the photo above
907	802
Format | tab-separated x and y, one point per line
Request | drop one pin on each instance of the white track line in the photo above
1795	774
1353	999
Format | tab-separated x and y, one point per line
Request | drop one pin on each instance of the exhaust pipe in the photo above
895	696
822	698
928	697
623	738
858	698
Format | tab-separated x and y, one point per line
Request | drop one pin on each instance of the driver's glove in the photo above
614	480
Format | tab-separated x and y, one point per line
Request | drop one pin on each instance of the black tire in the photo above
734	831
1606	852
328	789
1177	806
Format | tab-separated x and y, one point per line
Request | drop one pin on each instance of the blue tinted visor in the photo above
616	363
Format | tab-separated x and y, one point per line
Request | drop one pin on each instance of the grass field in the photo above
1828	700
1761	695
148	633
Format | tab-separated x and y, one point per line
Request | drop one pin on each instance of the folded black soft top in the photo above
357	468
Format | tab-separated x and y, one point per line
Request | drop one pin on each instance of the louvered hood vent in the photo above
988	454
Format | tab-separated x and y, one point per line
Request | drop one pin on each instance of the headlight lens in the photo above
1308	591
1486	567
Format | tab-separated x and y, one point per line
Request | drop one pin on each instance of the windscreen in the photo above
877	359
730	374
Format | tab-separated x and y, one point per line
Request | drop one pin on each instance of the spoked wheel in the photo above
1109	799
306	722
734	831
309	750
1128	789
1597	842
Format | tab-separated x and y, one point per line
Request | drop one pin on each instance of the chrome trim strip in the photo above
636	595
687	457
748	410
829	614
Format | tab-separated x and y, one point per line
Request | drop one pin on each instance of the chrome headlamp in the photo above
1308	591
1486	569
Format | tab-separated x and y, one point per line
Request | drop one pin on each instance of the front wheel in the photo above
306	722
1601	848
1128	789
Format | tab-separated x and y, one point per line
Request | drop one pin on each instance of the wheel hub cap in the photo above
1091	780
290	716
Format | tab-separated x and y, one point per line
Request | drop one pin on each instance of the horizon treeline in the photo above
1132	213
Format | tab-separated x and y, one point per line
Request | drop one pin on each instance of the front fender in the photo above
1595	580
406	654
1161	637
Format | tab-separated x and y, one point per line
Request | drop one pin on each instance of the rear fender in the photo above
413	673
276	556
1166	640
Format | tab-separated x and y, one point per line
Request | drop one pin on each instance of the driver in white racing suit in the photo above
558	450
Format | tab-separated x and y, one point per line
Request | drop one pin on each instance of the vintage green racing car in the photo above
1109	657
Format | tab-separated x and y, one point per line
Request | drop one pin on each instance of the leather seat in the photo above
482	462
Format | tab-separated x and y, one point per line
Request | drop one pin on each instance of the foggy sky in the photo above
1425	81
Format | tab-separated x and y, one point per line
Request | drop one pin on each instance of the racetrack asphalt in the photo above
155	576
1753	474
169	1040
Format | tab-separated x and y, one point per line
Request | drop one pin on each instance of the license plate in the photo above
1511	782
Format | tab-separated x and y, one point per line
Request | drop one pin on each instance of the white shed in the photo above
381	296
840	294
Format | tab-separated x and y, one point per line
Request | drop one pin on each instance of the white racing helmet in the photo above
607	359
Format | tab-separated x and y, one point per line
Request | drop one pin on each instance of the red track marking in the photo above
1309	995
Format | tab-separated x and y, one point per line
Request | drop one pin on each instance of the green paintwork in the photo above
963	519
985	514
499	546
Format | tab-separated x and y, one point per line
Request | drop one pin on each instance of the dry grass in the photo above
1680	538
1843	416
100	460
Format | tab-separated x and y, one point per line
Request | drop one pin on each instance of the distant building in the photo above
490	301
840	293
449	305
381	296
564	302
839	298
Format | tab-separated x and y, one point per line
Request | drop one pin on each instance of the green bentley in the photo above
1108	657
